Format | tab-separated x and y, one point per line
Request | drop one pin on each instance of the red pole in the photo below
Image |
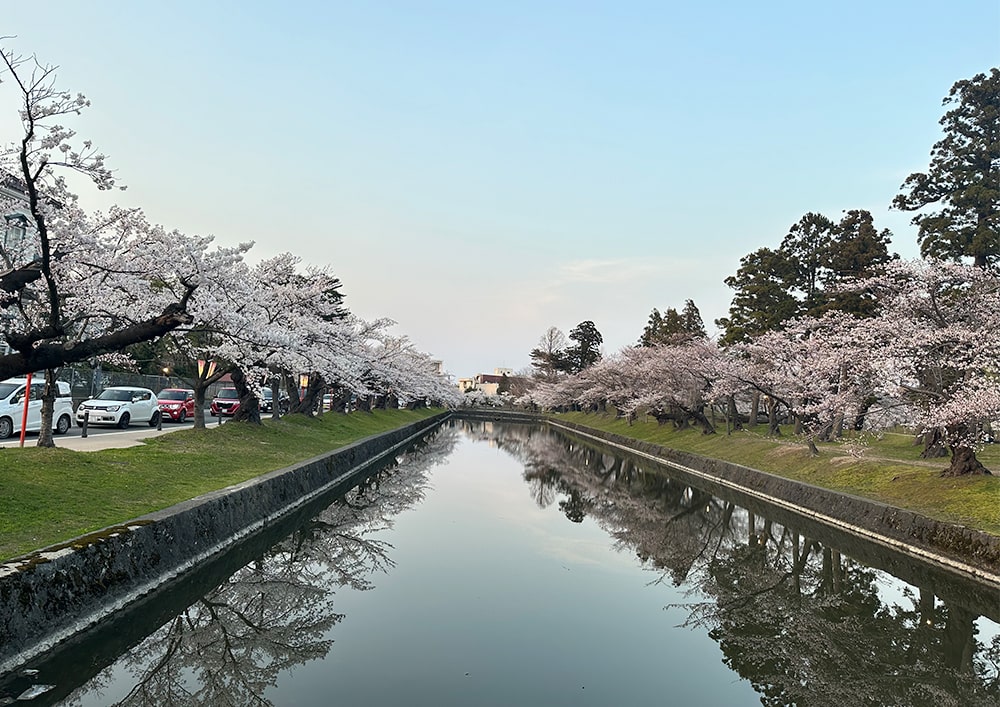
24	414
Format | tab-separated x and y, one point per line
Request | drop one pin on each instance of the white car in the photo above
12	407
120	405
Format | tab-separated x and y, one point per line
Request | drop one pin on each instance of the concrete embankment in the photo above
955	547
953	561
57	592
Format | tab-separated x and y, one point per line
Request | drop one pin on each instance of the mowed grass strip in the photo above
889	470
48	496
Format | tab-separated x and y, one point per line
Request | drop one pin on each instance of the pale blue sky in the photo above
482	171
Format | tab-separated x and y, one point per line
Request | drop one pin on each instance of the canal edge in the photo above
882	536
55	593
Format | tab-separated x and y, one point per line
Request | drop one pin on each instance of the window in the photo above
14	241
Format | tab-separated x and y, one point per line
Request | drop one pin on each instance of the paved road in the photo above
104	437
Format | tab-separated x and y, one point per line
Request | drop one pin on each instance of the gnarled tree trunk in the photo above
249	410
964	461
313	393
933	443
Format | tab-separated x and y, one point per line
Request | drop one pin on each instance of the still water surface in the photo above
506	565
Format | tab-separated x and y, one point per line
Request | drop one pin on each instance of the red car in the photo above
226	402
176	404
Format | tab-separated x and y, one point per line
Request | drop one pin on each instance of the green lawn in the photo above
889	469
49	496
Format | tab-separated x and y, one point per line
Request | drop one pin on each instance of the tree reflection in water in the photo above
230	646
803	623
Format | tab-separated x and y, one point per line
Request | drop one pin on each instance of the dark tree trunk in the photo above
45	437
276	397
836	427
249	410
813	449
200	387
341	399
291	387
706	425
389	402
313	393
964	461
933	443
733	413
859	421
773	430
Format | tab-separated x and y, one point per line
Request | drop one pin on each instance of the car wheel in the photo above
6	427
183	416
63	425
154	419
124	420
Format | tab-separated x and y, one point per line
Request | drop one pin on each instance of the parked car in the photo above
226	402
266	401
12	407
120	405
176	404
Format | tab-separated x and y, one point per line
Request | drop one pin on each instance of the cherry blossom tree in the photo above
296	318
936	344
680	382
401	374
46	291
809	373
926	361
215	310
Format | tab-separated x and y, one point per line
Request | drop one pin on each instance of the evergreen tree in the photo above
693	323
806	246
763	298
963	178
587	350
654	326
858	250
672	327
802	277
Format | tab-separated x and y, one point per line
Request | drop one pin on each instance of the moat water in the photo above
504	564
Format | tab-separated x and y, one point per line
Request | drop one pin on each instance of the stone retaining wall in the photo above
50	595
965	550
499	415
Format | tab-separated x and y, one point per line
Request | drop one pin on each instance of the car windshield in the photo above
265	393
172	395
112	394
228	393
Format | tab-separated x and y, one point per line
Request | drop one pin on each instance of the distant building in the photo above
19	254
488	383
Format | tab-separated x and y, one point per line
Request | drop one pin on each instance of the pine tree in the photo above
963	178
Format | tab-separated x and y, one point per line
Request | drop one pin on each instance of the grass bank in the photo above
890	469
52	495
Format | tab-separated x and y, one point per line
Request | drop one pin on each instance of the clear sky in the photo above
480	171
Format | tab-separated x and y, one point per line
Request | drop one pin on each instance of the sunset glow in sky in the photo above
482	171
